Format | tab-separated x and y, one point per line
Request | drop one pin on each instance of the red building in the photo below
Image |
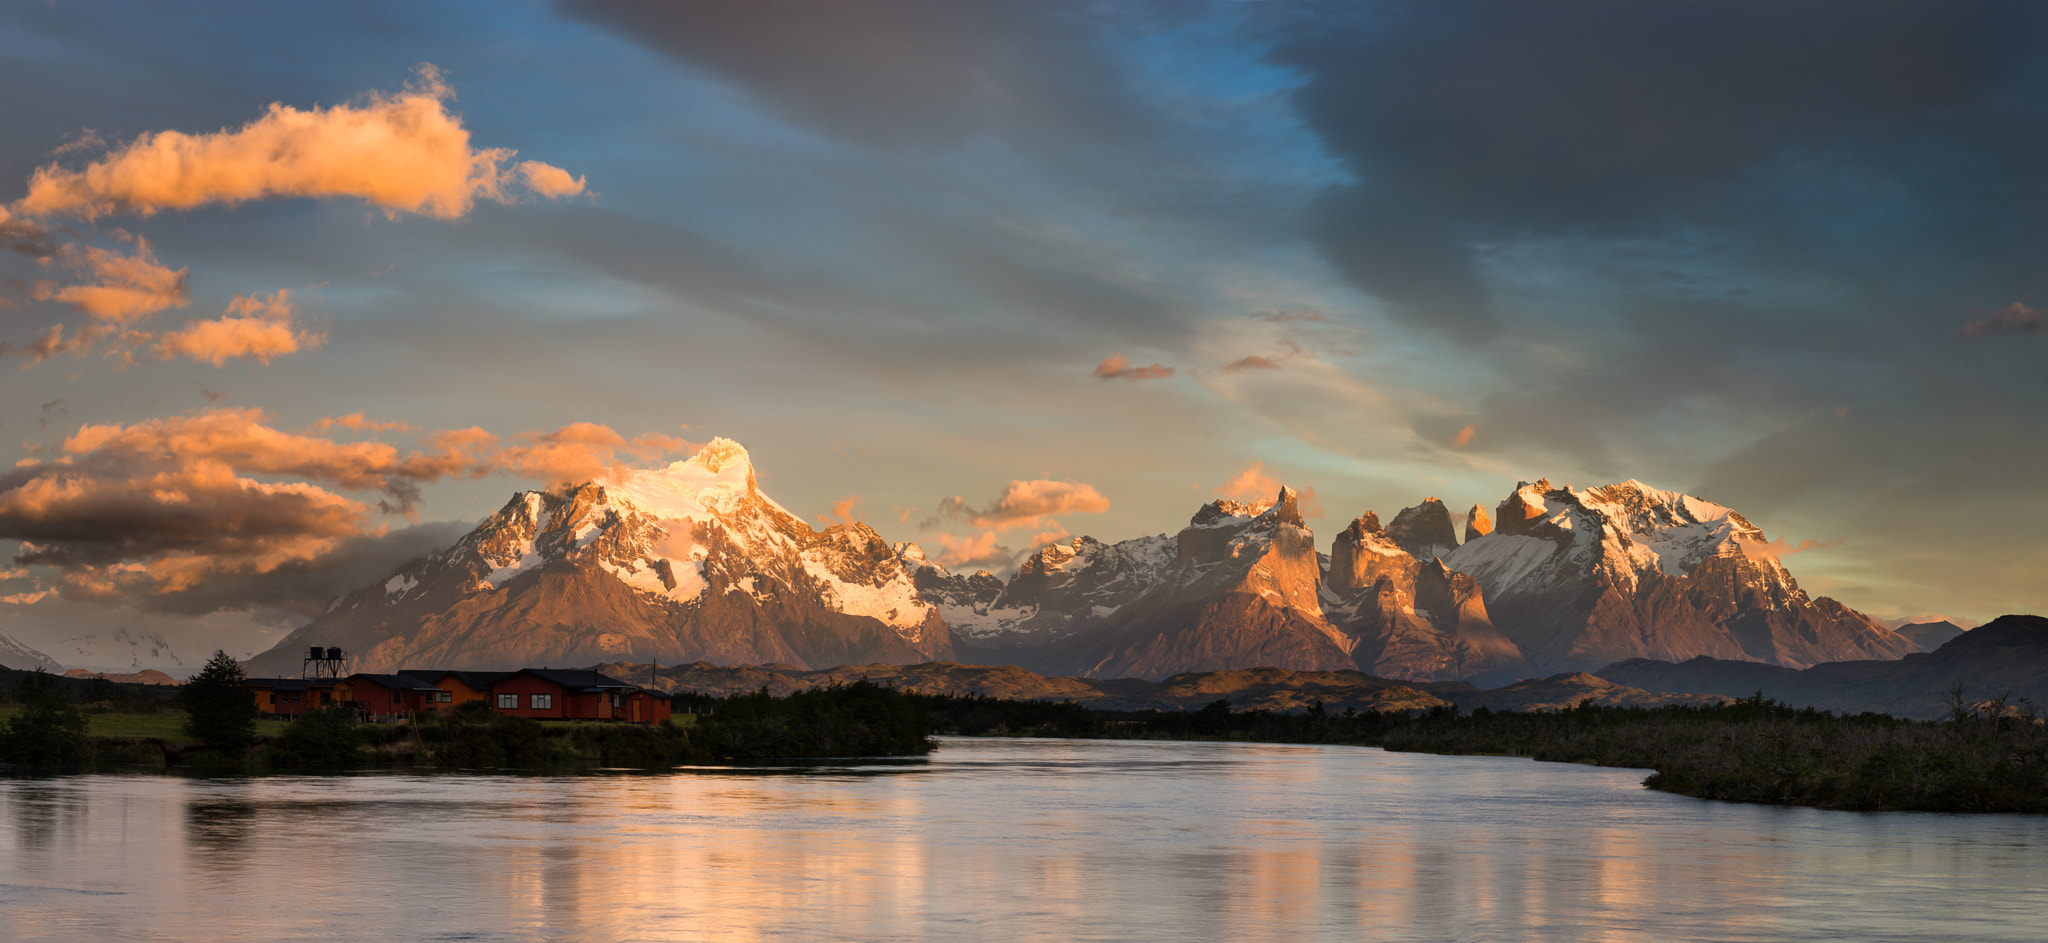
561	694
290	697
460	686
646	706
391	695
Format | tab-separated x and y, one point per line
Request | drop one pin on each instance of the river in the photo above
1001	840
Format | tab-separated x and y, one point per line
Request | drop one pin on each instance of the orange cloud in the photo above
403	153
844	511
980	550
549	181
1778	549
580	451
1251	484
126	288
2018	317
356	422
1054	533
1119	368
1026	504
1464	437
169	513
257	328
1251	362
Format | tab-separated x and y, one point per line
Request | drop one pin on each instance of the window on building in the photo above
443	697
541	702
508	702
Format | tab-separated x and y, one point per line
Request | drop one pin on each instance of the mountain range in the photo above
2006	657
694	562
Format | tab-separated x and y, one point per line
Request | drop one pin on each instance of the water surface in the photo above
1024	840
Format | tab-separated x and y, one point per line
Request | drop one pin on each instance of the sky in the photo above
291	293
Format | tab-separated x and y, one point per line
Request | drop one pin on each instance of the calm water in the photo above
1001	840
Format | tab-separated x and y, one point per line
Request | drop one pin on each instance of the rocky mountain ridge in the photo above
693	562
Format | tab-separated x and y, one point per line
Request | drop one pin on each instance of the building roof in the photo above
288	684
579	681
395	682
476	680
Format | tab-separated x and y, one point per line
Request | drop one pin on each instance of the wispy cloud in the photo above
1025	504
2016	318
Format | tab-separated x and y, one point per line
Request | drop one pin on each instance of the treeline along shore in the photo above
1984	757
210	725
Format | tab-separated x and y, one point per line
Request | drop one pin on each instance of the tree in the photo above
49	730
220	712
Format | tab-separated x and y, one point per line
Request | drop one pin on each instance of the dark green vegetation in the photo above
48	729
1756	750
859	719
219	712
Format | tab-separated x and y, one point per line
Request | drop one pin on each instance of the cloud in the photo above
1779	549
355	422
25	237
170	513
1473	127
1251	362
1290	315
896	72
549	181
2018	318
1464	437
1251	484
1025	504
844	511
980	550
580	451
126	288
1054	533
256	328
1119	367
403	153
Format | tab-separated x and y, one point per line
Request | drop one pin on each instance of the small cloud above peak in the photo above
1119	367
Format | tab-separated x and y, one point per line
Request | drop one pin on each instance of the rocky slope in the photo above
1243	589
1582	578
678	564
1408	614
17	655
1058	591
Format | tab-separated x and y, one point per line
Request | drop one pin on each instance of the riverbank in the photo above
849	720
1755	750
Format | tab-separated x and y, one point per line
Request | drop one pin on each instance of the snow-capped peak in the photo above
715	481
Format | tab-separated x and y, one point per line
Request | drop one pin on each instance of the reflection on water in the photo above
1010	840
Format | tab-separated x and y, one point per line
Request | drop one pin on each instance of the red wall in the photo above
524	685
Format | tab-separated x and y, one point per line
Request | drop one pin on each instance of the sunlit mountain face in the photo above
695	563
292	299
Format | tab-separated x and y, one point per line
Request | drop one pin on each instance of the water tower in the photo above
324	663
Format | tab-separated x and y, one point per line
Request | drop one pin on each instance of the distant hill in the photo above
1563	691
145	676
1930	635
1275	689
2006	656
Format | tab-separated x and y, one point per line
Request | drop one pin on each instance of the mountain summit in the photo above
677	564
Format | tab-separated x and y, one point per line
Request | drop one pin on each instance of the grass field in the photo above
167	725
